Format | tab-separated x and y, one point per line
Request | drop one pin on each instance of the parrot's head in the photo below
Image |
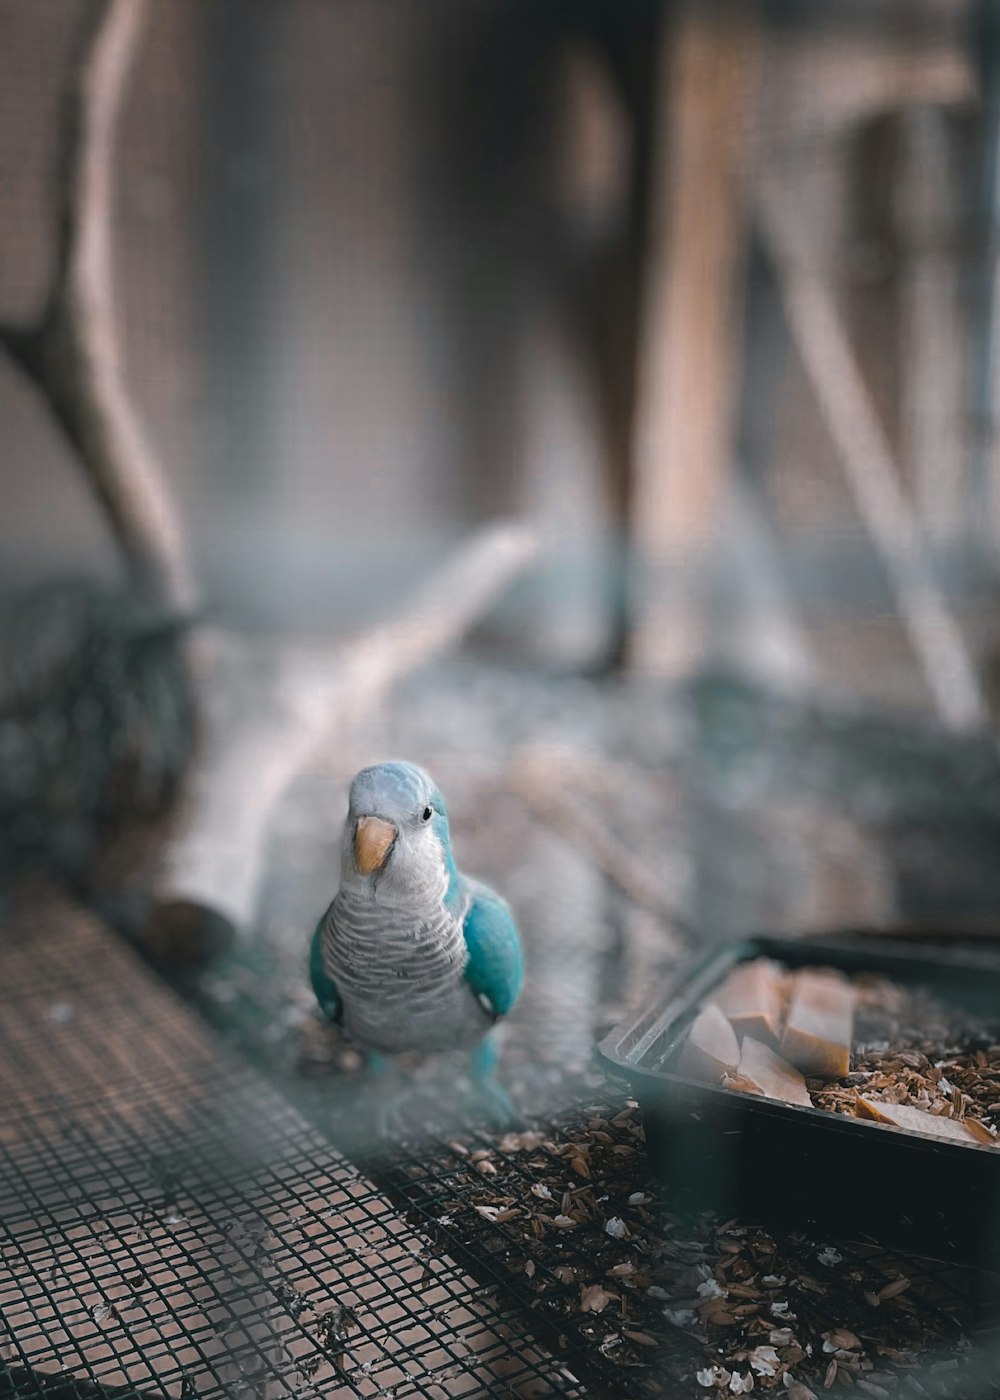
396	839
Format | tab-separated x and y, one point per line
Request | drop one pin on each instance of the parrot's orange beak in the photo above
373	840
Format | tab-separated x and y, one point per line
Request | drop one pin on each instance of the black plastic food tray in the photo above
721	1150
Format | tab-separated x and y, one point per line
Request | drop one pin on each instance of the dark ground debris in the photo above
572	1219
564	1216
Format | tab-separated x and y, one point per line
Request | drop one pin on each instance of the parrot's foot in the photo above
494	1099
490	1093
391	1119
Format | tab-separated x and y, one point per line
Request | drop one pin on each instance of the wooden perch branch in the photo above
867	459
448	605
266	712
73	354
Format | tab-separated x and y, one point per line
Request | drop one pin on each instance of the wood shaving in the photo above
593	1298
917	1050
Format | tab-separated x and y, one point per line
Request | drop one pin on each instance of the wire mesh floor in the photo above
608	835
176	1223
577	1226
171	1227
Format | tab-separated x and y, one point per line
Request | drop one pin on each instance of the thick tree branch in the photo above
266	710
73	355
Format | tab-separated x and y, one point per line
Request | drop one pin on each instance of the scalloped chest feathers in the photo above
400	976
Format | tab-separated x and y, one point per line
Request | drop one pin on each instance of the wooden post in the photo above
689	338
930	344
985	504
869	466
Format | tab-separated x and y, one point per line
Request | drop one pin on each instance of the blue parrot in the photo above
412	954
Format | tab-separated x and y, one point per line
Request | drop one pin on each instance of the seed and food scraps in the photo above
864	1046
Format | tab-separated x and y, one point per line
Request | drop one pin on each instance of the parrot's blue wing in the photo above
322	983
495	968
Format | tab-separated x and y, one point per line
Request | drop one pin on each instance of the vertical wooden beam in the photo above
930	332
985	496
689	337
871	470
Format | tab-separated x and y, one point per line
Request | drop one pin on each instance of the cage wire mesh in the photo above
563	1213
172	1227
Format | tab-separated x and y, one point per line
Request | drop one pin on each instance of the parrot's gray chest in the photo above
400	974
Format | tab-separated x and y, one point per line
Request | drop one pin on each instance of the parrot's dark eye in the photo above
426	814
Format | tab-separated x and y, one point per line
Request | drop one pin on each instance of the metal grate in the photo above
589	949
655	1333
171	1227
